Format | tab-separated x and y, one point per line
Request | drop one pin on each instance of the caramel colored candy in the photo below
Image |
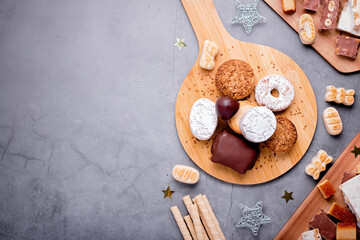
332	121
306	29
288	6
341	213
346	231
209	52
326	189
318	164
185	174
340	95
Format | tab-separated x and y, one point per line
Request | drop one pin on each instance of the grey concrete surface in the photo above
87	128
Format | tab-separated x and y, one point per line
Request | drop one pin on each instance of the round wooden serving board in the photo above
200	83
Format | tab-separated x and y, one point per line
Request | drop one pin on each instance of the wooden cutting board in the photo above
200	83
315	202
325	42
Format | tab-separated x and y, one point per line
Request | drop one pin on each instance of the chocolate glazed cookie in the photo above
234	152
235	78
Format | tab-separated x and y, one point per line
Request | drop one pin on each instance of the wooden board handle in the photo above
204	19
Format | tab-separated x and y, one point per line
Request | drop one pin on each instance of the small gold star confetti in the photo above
168	192
356	151
287	196
180	43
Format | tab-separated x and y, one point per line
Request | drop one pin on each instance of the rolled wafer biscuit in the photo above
332	121
185	174
318	164
190	225
209	52
194	213
340	95
180	222
216	222
307	31
207	219
187	201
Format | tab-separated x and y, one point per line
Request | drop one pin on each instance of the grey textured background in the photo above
87	128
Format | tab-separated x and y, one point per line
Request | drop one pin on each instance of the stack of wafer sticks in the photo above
200	215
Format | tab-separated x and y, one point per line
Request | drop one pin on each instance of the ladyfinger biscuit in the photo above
332	121
307	31
185	174
209	52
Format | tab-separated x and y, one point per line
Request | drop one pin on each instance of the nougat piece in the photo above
347	46
288	6
341	213
351	192
329	16
346	231
311	235
311	5
327	228
326	189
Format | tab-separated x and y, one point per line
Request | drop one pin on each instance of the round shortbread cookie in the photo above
267	84
258	124
203	119
234	122
235	78
285	136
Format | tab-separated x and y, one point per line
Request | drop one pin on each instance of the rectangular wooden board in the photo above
315	202
325	41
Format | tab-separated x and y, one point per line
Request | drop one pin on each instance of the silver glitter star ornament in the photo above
247	15
252	217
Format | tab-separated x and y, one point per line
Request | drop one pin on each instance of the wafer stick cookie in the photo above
216	222
207	219
181	224
190	225
194	213
332	121
187	201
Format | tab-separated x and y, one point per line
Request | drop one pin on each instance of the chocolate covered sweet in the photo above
226	107
311	5
234	152
347	46
347	176
327	228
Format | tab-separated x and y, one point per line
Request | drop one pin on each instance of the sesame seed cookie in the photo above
235	78
285	136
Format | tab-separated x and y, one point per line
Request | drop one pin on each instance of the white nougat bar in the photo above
351	192
346	21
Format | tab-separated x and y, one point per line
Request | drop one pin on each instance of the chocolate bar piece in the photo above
234	152
311	5
346	231
347	46
326	189
341	213
327	228
347	176
329	15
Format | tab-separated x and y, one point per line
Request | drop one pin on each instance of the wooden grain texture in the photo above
200	83
315	202
325	41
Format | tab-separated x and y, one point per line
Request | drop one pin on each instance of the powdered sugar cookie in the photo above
258	124
203	119
282	85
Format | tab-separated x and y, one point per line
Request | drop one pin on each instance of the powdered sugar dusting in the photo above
203	119
258	124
